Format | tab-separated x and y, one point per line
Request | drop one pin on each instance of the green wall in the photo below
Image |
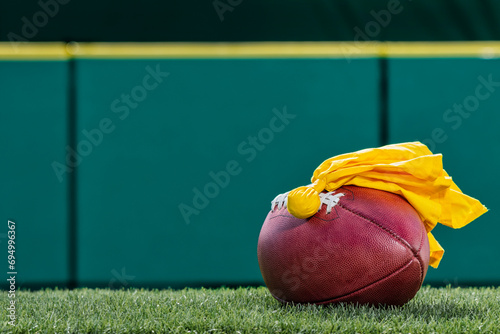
197	121
33	133
146	141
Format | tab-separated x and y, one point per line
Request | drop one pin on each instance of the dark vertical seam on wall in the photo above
383	101
72	179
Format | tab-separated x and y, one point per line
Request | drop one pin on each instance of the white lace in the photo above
330	199
281	201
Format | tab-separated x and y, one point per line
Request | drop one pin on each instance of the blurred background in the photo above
142	142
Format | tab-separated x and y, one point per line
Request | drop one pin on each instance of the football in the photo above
363	246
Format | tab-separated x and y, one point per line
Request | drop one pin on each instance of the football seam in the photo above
389	231
419	258
278	215
350	191
334	299
415	253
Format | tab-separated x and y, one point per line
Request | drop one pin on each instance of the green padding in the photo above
423	98
153	155
33	135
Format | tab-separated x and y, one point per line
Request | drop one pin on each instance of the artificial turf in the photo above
245	310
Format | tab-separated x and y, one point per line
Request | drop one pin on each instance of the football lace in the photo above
329	199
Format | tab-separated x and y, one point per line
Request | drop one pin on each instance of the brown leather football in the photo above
363	246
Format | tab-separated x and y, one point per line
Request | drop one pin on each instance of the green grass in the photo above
245	310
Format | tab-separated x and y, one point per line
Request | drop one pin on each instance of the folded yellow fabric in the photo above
407	169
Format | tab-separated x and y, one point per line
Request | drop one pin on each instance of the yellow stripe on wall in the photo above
441	49
61	51
222	50
33	51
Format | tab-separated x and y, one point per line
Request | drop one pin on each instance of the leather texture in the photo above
372	248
